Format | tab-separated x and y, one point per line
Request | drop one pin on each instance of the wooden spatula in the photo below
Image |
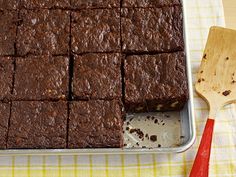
216	83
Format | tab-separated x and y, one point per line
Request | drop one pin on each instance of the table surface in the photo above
230	13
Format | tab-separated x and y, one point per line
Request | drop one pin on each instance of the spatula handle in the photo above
201	164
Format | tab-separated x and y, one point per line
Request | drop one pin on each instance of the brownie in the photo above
6	77
9	4
8	23
4	118
41	78
36	124
96	30
81	4
95	124
43	32
155	82
149	3
97	76
36	4
152	29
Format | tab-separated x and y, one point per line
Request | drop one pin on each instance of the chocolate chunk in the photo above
97	76
95	124
37	125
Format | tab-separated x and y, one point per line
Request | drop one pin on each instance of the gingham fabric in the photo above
201	15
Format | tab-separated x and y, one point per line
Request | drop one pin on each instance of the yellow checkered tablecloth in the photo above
201	15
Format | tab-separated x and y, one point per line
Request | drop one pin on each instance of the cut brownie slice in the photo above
41	78
152	29
150	3
6	77
9	4
96	30
97	76
8	23
155	82
36	4
38	125
43	32
4	118
81	4
95	124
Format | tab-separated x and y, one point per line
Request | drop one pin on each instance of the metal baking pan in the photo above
174	131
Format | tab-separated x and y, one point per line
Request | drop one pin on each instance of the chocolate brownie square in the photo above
36	4
6	77
43	32
41	78
9	4
97	76
150	3
155	82
152	29
96	30
81	4
36	124
8	23
95	124
4	118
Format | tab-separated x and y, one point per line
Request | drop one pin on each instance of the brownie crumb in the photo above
138	131
227	58
226	92
153	117
128	123
143	146
163	123
159	145
201	71
153	138
182	137
203	79
205	56
148	117
132	130
127	128
156	121
147	136
199	81
125	144
137	144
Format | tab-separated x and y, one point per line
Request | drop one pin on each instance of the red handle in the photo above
201	164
